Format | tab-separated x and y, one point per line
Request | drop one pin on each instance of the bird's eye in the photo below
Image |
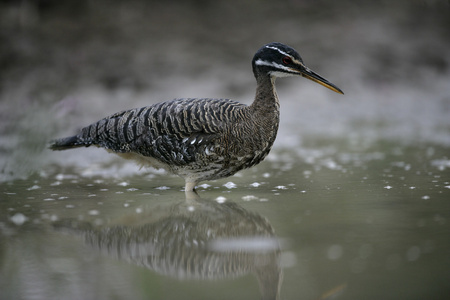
287	60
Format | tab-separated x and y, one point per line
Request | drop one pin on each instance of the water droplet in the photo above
34	187
221	199
162	188
249	198
335	252
18	219
230	185
413	253
281	187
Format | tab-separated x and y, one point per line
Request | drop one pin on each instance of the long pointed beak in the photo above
310	74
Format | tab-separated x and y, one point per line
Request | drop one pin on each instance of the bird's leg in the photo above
192	198
190	192
190	186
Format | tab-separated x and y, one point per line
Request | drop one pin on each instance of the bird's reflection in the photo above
193	239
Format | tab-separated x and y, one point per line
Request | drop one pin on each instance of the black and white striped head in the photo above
279	60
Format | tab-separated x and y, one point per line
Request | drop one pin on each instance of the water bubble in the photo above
413	253
61	177
34	187
18	219
162	188
221	199
335	252
307	173
441	164
330	164
249	198
230	185
281	187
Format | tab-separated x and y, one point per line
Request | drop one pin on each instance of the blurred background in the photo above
66	64
353	198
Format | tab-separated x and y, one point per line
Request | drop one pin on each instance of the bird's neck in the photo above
266	99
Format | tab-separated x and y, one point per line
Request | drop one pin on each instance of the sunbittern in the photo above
201	138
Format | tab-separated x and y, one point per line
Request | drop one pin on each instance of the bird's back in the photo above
176	133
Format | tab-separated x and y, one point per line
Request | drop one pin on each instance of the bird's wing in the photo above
170	131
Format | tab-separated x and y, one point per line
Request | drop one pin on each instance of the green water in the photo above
360	225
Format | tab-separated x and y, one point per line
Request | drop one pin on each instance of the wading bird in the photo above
201	138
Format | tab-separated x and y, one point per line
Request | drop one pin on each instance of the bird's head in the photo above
279	60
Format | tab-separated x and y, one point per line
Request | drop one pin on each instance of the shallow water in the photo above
352	202
309	225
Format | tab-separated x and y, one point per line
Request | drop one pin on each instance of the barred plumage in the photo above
201	138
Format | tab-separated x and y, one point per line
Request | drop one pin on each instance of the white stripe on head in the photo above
261	62
278	73
282	52
286	54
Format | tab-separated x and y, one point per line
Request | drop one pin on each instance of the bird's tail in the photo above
68	143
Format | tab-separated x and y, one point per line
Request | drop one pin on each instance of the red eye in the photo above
287	60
